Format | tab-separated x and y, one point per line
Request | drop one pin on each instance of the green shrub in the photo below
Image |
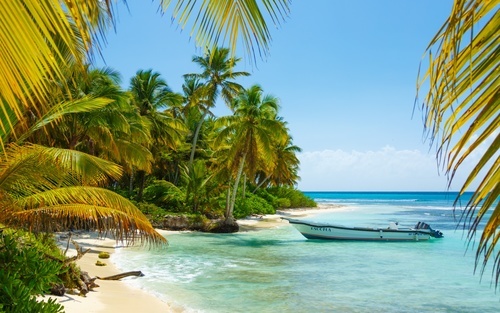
283	203
252	204
296	197
154	213
270	198
25	272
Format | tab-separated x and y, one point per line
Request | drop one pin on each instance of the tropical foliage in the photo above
462	113
249	135
26	272
42	37
50	82
65	128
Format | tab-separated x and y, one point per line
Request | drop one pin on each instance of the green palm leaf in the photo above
58	111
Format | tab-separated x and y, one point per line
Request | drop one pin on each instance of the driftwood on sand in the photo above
122	275
81	279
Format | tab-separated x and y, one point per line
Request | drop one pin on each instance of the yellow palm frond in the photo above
462	111
44	189
82	207
54	167
37	36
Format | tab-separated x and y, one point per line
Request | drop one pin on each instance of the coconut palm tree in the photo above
151	96
250	132
39	37
218	20
218	73
47	189
462	113
285	167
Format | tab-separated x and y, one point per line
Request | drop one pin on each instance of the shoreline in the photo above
274	220
120	296
111	295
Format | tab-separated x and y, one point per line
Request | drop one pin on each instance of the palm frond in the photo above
56	113
462	111
44	189
43	168
218	21
36	38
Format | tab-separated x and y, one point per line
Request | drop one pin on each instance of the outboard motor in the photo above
433	233
436	233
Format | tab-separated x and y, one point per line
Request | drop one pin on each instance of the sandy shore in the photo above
118	296
110	296
275	220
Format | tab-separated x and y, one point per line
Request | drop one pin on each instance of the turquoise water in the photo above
278	270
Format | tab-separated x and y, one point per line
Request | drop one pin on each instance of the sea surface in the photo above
278	270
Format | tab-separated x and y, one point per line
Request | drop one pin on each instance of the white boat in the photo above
394	232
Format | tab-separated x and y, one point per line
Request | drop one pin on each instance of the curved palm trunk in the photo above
230	210
261	183
195	137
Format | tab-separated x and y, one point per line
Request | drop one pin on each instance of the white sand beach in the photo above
110	296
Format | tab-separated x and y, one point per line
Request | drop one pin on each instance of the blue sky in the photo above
345	73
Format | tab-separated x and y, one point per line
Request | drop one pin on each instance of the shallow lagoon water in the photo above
278	270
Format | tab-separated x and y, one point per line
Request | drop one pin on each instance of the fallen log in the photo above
122	275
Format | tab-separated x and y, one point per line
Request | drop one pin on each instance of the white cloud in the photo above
382	170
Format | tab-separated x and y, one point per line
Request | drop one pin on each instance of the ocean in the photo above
278	270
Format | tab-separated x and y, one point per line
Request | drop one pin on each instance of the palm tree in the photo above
150	94
250	132
47	189
462	113
218	73
196	180
218	20
113	131
285	167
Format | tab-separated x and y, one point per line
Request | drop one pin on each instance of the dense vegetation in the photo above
176	155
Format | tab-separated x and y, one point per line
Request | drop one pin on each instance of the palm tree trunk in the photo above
195	138
261	183
131	183
235	187
142	184
244	185
228	200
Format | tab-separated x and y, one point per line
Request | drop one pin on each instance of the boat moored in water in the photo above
313	230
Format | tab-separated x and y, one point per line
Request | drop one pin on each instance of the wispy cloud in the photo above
384	169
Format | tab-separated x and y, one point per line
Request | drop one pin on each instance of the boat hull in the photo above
334	232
